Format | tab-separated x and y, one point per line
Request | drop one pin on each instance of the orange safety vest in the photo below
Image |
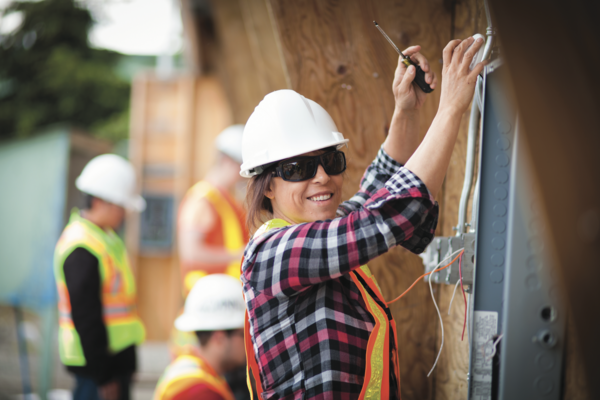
376	385
231	223
186	372
118	292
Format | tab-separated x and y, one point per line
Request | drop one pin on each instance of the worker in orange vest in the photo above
212	233
211	228
214	311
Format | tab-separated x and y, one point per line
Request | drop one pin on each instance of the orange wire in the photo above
424	275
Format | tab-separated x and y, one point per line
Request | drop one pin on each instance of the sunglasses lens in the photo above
297	170
334	163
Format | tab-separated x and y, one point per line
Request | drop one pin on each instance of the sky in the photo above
142	27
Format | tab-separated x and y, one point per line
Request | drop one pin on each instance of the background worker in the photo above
214	311
212	233
211	225
319	325
98	324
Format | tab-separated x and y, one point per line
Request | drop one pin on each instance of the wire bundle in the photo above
457	255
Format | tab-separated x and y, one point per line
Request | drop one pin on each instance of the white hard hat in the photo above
111	178
214	303
286	124
229	142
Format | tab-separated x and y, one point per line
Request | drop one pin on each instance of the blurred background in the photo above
66	74
157	80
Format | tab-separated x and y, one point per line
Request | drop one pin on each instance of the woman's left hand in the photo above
409	96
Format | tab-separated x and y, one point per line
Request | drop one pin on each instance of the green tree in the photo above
50	74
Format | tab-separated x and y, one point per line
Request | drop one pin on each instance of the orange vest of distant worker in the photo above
118	293
229	232
186	373
376	385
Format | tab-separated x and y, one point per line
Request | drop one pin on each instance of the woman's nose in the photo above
321	176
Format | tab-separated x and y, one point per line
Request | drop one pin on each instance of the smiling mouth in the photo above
321	197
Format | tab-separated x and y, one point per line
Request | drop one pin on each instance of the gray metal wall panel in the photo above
534	322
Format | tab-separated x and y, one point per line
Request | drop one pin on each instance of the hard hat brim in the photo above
190	323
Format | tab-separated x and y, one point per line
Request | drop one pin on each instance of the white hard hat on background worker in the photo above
214	303
283	125
111	178
229	142
215	312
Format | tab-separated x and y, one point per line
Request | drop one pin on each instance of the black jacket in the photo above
82	276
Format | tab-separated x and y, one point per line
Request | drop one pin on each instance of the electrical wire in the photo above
494	344
459	252
463	293
453	294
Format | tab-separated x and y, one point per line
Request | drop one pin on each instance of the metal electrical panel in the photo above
534	320
498	120
515	300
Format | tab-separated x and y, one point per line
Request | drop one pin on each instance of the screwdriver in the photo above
420	76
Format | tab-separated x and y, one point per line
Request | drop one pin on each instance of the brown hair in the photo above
257	203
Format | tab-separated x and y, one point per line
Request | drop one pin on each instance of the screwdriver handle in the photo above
420	76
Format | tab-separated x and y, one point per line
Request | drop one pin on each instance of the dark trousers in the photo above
86	388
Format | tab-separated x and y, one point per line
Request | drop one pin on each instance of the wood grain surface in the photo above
335	56
250	64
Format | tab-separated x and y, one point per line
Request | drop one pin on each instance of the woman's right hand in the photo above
458	82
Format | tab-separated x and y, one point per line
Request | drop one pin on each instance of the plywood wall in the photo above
329	51
174	122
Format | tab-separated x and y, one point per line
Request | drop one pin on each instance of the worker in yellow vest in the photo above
98	324
214	311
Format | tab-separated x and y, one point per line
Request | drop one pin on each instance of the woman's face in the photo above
306	201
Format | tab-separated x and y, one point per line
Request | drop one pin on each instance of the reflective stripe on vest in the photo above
186	372
234	239
376	385
117	291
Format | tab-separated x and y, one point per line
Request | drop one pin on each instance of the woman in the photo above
318	326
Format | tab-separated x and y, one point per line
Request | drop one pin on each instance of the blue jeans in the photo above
86	388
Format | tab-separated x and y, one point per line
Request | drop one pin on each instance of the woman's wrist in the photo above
450	111
402	113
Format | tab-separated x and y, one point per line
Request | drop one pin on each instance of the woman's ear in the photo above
269	192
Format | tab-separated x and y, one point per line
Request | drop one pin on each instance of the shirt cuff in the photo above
384	163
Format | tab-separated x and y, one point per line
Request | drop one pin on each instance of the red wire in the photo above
464	295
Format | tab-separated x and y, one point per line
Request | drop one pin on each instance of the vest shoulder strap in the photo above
186	372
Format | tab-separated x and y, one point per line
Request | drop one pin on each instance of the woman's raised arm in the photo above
430	160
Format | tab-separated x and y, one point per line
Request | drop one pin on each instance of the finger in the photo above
459	52
472	77
398	74
433	83
470	53
411	50
448	50
421	60
407	79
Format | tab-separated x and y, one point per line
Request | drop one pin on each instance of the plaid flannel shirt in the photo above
308	322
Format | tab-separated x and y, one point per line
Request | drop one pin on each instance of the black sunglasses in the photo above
302	168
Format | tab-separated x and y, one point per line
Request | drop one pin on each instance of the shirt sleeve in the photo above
375	177
83	284
285	261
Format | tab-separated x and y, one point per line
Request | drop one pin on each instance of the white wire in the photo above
437	308
494	344
453	294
